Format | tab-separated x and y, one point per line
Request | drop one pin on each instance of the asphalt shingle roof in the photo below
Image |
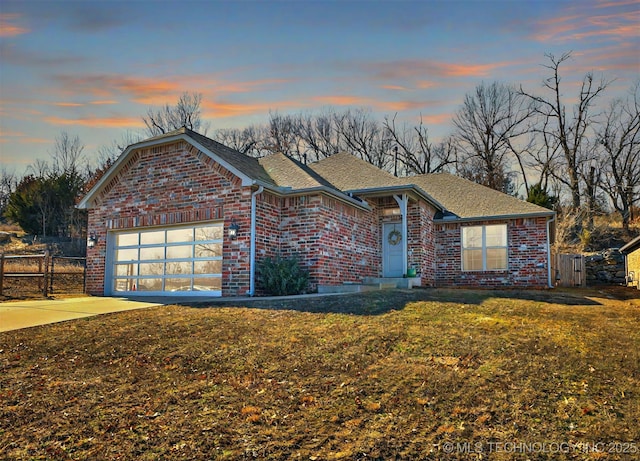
348	172
344	173
248	165
467	199
287	172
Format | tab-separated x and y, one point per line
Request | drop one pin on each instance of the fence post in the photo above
45	282
84	276
51	274
1	271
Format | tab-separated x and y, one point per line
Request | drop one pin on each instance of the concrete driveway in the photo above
24	314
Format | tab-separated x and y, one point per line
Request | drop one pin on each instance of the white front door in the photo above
392	246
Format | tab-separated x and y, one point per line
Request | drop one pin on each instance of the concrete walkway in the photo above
23	314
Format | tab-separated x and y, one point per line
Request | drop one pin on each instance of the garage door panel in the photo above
176	268
203	284
209	233
149	284
152	253
207	267
180	252
151	269
127	255
126	269
205	250
127	239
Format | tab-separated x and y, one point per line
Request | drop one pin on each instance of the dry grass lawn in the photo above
421	374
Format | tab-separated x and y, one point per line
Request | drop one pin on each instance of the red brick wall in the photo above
421	241
527	256
337	242
173	184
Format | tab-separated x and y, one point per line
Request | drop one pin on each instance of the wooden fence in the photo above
39	268
570	270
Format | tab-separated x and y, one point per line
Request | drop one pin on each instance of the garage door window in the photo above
179	260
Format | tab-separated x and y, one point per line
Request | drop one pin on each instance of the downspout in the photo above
402	203
252	244
549	275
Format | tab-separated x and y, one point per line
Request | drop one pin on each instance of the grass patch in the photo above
385	375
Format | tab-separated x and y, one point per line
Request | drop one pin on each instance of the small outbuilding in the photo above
631	252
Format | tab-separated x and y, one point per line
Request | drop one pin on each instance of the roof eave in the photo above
631	246
290	192
386	190
497	217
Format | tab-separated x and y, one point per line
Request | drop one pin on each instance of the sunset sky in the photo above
92	68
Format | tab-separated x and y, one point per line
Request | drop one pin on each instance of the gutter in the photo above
496	217
549	274
288	191
252	244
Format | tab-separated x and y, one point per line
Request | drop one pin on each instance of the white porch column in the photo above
403	200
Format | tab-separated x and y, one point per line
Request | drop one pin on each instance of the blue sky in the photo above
92	68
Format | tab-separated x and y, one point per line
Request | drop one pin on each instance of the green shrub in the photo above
283	276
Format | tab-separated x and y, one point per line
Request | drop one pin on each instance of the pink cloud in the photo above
104	102
438	119
11	134
142	90
619	25
68	104
338	100
95	122
152	91
7	29
417	69
394	87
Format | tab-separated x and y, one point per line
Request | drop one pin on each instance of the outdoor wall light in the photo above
92	240
233	230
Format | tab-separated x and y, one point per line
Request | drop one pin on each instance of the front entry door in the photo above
392	245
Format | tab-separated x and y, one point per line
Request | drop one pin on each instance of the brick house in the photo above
181	214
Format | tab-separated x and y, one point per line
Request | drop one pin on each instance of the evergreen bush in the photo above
283	276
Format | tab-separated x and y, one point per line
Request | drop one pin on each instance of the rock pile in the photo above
5	237
605	267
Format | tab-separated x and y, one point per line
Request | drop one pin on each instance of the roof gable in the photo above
244	167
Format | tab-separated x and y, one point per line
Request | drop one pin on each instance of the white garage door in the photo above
184	260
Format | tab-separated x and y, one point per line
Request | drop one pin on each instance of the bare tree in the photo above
488	124
67	154
416	152
246	140
619	138
321	134
186	112
365	138
567	132
40	168
282	135
8	184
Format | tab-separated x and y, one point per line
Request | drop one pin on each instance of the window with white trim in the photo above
484	248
